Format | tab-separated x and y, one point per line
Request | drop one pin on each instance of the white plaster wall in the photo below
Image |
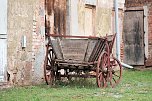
105	3
3	16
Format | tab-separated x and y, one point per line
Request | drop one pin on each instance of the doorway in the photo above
3	40
133	37
3	57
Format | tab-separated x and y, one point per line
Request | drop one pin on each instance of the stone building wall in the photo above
62	15
25	18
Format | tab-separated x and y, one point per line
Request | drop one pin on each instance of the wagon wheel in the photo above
49	65
102	70
116	71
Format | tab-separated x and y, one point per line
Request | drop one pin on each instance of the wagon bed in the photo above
77	56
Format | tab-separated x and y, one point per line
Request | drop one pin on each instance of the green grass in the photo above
135	86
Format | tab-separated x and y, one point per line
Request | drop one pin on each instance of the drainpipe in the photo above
118	36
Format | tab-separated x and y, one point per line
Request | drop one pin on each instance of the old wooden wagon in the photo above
82	56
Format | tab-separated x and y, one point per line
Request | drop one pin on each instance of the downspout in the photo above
118	36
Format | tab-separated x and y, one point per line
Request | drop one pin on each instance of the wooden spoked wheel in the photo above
102	70
116	71
49	66
108	72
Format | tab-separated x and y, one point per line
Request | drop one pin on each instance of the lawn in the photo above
135	86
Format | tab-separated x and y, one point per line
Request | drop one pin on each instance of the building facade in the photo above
27	22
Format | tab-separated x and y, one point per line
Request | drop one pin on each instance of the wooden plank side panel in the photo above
74	49
56	48
91	45
3	59
133	38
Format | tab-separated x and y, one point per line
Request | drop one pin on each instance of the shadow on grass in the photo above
76	83
79	82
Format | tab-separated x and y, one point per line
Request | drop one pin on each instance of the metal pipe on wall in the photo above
118	35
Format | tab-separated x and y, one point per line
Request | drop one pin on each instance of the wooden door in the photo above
89	21
3	39
134	37
3	57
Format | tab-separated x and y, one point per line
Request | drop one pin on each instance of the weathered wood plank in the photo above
133	38
74	49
